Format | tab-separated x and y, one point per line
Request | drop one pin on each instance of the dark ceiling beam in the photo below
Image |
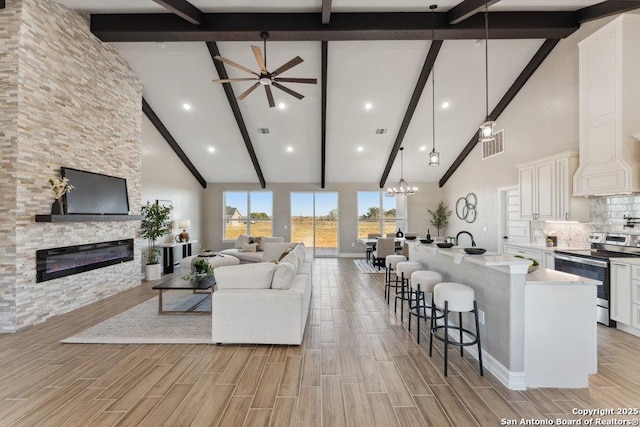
235	108
537	59
606	8
467	9
411	108
323	148
344	26
183	9
326	11
2	4
148	111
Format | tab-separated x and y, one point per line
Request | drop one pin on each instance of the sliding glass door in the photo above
314	221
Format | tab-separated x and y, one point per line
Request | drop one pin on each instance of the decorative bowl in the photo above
444	245
426	240
532	268
475	251
410	238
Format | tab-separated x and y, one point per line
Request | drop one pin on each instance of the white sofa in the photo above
249	256
263	303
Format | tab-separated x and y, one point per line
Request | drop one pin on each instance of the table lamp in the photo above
184	236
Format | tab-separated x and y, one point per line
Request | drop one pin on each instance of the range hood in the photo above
609	110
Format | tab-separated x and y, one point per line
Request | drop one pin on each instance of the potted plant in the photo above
202	268
155	224
60	187
440	216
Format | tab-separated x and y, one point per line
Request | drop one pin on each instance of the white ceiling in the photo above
383	73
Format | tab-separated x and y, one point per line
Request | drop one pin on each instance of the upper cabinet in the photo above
545	189
610	110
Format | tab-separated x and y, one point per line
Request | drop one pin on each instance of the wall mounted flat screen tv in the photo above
95	194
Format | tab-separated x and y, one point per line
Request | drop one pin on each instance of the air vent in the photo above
381	131
494	146
263	130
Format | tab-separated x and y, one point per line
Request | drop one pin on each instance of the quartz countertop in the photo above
544	247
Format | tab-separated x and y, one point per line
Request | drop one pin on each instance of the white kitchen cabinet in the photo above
635	296
609	103
546	189
620	298
548	261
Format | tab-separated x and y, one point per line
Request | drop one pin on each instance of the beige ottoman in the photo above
214	261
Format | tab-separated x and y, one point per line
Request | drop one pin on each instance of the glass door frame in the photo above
313	193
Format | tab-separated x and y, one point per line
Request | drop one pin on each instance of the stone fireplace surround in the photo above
72	101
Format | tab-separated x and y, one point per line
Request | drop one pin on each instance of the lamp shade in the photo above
184	224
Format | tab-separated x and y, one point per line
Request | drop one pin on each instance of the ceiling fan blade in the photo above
270	96
248	91
234	80
233	64
286	89
258	54
294	80
295	61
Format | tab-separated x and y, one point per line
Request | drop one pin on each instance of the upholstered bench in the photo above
215	261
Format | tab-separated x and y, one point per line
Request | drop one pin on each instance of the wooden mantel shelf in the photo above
86	218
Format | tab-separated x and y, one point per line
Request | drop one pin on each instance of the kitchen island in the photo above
538	329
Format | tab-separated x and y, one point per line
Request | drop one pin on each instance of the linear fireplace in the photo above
61	262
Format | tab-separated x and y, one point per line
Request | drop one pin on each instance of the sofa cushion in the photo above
283	275
245	276
249	247
270	239
242	239
299	252
275	250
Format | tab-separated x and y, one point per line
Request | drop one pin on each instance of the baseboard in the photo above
628	329
351	255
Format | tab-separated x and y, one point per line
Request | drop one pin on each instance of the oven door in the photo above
591	268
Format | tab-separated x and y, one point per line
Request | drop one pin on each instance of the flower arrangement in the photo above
60	187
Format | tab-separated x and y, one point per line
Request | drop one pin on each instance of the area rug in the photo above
143	325
366	267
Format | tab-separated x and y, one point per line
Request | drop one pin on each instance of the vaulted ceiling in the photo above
377	52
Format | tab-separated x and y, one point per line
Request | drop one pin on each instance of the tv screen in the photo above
96	194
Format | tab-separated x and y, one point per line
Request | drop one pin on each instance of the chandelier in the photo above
403	188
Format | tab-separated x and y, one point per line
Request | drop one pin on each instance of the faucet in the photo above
473	242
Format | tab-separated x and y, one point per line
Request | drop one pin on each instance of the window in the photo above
376	213
247	212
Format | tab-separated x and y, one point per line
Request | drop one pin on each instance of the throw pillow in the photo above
283	276
241	240
275	250
258	242
249	247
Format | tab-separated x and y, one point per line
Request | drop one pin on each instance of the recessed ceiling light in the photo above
282	106
360	148
423	148
289	149
186	106
368	106
211	149
445	105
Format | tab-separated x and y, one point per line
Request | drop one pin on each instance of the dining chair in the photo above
384	246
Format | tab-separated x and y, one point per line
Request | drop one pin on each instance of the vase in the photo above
56	207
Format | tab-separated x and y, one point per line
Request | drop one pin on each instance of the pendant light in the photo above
486	128
403	188
434	156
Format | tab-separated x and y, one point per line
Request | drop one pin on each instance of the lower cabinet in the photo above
620	306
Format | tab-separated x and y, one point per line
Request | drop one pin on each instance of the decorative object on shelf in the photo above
184	236
428	236
403	188
466	207
486	127
155	224
60	187
434	156
399	233
440	216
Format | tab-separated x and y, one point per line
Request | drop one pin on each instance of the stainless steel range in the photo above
594	264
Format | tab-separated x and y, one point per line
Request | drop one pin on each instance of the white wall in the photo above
541	120
165	177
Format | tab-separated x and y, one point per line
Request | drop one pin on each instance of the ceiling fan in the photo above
266	78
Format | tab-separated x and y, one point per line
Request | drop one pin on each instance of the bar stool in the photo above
390	263
422	281
405	269
456	297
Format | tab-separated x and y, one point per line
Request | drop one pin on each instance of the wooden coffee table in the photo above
193	285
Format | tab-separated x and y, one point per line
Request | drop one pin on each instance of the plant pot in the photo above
152	271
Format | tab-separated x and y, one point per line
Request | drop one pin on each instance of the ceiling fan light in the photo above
434	158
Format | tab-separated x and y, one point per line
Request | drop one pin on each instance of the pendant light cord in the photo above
486	57
433	81
401	164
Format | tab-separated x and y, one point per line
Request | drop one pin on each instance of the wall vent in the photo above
263	130
495	146
381	131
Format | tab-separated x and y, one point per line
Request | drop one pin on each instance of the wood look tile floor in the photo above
358	366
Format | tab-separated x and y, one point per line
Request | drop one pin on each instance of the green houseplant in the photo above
440	216
155	224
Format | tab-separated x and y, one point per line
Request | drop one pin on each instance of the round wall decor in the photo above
466	207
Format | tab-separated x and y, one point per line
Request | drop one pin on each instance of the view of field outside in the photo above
325	213
370	206
260	221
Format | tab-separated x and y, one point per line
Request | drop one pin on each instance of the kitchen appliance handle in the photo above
579	260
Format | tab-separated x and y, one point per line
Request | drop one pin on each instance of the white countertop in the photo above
543	247
544	276
627	260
